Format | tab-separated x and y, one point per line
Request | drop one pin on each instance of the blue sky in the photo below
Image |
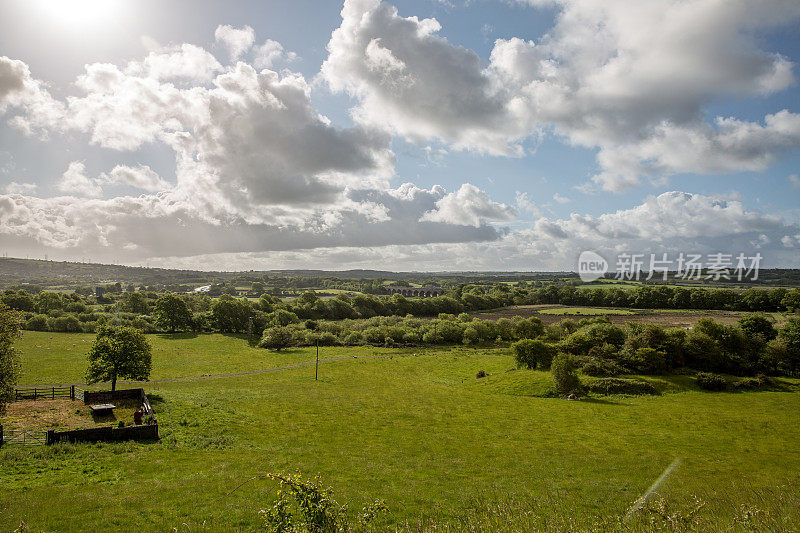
482	135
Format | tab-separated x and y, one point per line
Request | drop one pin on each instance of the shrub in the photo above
533	353
65	323
759	382
601	367
710	381
480	374
645	360
565	378
354	338
620	386
37	323
276	338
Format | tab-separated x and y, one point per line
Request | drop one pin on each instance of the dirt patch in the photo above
41	415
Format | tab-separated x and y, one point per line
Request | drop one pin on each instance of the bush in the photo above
709	381
533	353
620	386
759	382
37	323
645	361
565	377
276	338
480	374
354	338
601	367
65	324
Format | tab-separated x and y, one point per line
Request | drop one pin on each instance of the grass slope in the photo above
419	431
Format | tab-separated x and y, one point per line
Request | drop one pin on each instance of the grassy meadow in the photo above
414	428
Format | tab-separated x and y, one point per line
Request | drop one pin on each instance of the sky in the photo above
419	135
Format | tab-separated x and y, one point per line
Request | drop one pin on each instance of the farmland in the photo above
413	427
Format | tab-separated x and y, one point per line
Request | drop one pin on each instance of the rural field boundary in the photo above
47	392
147	431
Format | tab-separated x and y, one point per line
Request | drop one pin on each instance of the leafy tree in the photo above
172	313
789	334
135	302
232	315
19	300
758	325
791	301
48	301
276	338
565	376
119	353
281	317
532	353
9	358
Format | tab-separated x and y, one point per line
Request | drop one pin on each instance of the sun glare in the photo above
80	14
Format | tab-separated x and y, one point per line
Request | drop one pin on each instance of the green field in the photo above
419	431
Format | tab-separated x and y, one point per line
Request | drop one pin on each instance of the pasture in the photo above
415	428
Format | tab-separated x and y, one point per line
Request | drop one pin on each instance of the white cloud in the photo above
414	83
236	40
30	97
269	53
468	206
561	199
625	78
75	182
731	146
186	61
20	188
141	177
794	180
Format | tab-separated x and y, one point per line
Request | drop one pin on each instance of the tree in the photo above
565	377
119	353
532	353
758	325
172	313
135	302
232	315
276	338
789	334
9	358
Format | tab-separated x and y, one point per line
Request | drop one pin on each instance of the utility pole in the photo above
316	367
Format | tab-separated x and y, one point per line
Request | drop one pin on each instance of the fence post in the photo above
52	393
1	435
35	394
72	393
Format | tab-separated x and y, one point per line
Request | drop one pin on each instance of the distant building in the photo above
419	292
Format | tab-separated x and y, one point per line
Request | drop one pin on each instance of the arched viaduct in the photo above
419	292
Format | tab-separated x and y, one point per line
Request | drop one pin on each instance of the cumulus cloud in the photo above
412	82
162	224
237	41
75	182
20	188
269	53
468	206
608	75
36	109
141	177
729	146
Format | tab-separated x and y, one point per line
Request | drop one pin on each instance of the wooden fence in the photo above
26	438
47	393
143	432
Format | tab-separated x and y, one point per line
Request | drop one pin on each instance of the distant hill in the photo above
15	271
